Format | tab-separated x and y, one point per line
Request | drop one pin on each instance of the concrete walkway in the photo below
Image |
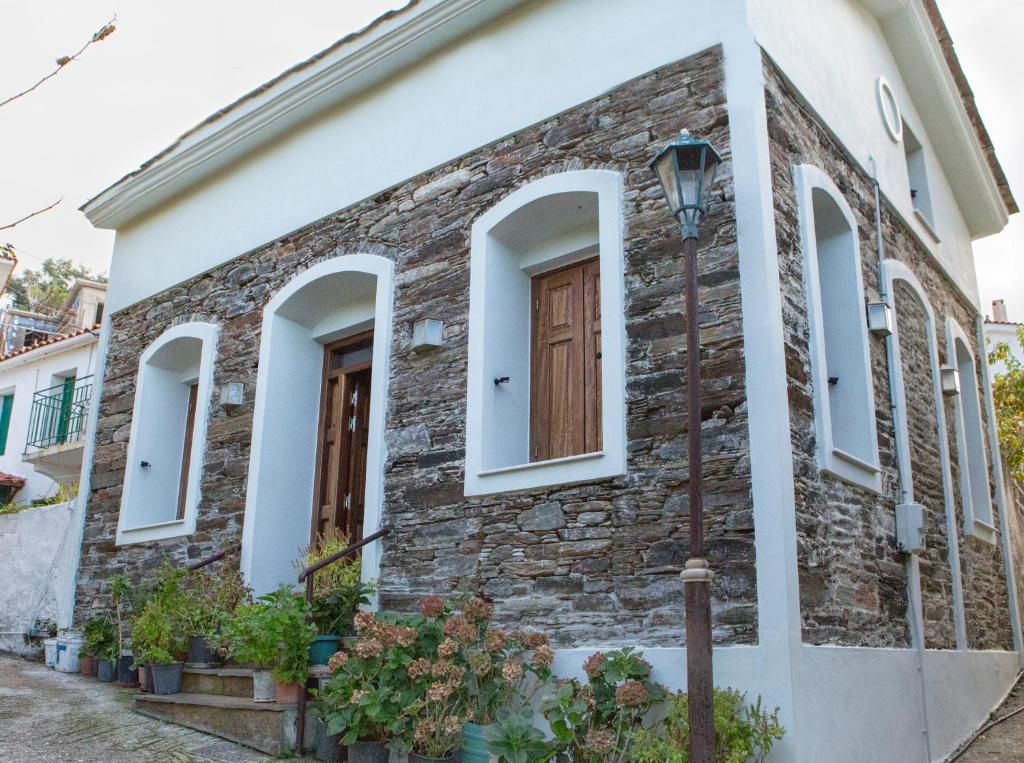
1003	743
65	718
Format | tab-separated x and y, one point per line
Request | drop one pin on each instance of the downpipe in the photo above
905	486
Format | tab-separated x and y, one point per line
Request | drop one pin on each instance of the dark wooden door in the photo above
565	389
340	490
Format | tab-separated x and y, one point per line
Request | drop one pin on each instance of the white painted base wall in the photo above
852	705
35	559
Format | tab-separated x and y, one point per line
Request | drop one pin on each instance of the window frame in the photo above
832	459
611	459
972	455
6	409
127	531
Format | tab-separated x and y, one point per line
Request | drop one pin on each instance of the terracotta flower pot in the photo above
87	665
287	694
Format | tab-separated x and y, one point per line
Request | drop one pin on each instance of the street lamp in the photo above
686	168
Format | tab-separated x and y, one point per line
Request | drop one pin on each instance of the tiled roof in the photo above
11	480
50	340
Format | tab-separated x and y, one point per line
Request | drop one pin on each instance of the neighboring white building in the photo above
45	389
999	329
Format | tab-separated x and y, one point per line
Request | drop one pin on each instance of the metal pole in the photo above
697	577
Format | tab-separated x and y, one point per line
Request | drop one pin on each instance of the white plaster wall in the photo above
24	379
1006	333
35	559
834	51
492	74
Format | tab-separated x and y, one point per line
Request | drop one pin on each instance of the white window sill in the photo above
981	530
159	531
849	468
559	471
926	224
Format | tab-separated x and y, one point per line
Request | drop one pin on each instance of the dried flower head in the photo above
495	640
369	647
357	696
337	661
632	694
593	664
600	741
418	668
534	640
480	663
363	620
439	691
477	609
512	670
405	636
452	724
447	649
460	628
543	656
432	607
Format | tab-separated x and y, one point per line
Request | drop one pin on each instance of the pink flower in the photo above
593	664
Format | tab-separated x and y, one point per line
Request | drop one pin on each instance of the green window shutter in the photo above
6	403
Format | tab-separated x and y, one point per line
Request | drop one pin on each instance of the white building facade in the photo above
482	163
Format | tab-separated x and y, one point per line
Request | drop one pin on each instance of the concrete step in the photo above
265	726
226	682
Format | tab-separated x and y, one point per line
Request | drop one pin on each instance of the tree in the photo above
1008	397
46	290
103	33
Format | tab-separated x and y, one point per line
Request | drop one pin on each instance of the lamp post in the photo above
686	168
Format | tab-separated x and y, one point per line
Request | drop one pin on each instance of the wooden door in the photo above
340	489
565	389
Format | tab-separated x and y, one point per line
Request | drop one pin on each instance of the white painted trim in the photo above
1002	499
886	100
126	533
383	269
922	218
892	271
63	345
832	459
612	460
268	111
973	524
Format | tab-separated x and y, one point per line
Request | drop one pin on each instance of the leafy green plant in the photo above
210	597
158	635
514	739
120	599
1008	399
100	637
743	732
272	633
597	722
338	589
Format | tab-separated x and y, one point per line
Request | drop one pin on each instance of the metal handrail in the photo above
307	576
211	559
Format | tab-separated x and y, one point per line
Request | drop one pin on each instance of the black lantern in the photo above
686	168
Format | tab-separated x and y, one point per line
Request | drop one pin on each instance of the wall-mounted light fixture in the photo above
879	318
950	381
427	333
232	394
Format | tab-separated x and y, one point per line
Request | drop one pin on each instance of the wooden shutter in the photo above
5	421
565	390
186	450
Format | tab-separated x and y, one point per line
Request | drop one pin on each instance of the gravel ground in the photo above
1003	743
50	716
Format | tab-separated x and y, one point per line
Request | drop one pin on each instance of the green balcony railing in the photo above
59	413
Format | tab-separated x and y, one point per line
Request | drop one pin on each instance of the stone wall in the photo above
595	563
853	585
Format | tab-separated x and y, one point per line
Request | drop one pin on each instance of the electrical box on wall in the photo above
910	527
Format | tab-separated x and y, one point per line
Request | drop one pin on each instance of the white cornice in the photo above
256	119
46	350
949	127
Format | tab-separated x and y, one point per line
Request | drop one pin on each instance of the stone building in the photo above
479	169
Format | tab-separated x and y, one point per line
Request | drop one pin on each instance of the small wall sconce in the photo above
879	318
231	394
950	381
427	333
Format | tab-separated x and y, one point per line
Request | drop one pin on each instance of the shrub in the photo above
338	589
272	633
742	731
597	722
158	632
210	597
100	638
514	739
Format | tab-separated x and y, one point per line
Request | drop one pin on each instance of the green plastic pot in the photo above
474	744
322	648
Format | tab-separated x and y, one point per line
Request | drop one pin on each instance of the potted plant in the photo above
601	719
372	688
514	739
106	663
272	636
210	596
504	671
99	635
121	592
338	590
157	634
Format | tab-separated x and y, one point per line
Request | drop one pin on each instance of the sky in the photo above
169	65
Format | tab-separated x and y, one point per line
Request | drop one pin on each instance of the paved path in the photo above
64	718
1003	743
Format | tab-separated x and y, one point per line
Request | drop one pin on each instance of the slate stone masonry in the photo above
853	587
595	563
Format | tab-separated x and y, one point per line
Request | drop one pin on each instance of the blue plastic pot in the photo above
474	744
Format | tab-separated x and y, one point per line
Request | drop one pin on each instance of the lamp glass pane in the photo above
665	166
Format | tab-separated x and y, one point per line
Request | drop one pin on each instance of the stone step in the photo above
265	726
227	682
